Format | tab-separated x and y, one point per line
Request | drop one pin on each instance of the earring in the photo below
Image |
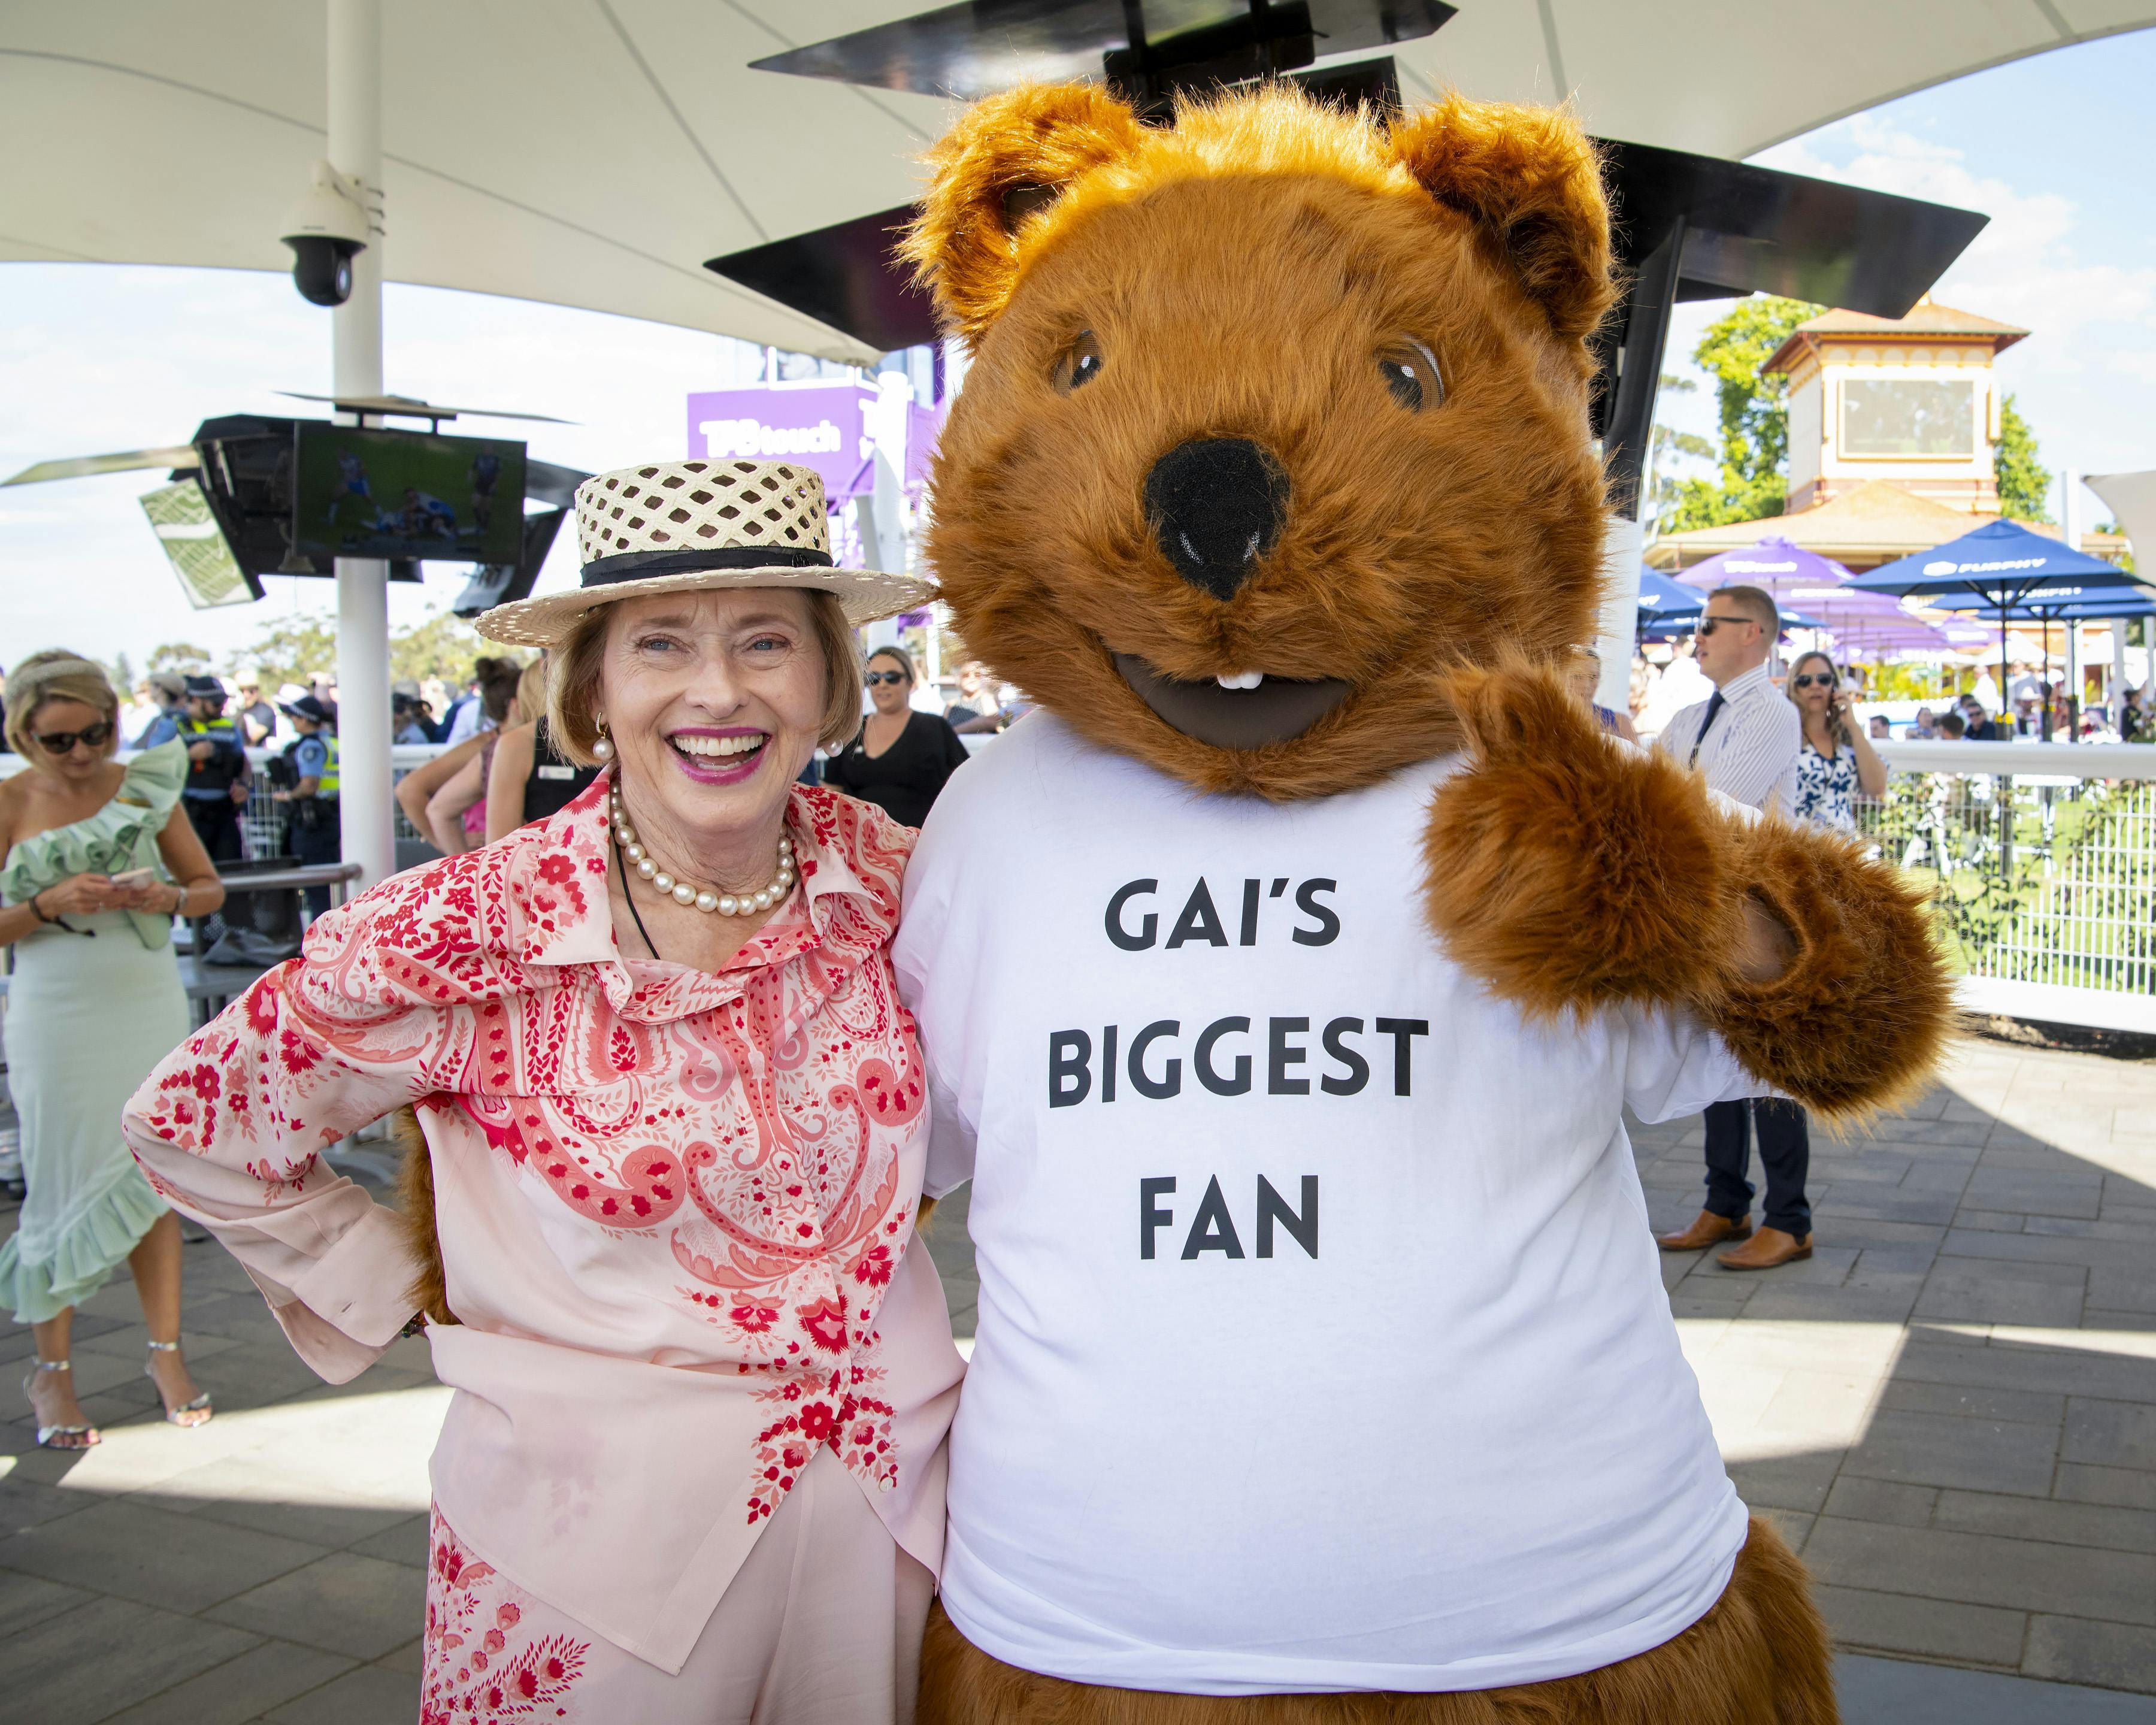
603	748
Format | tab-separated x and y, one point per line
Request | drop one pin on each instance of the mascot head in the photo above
1274	416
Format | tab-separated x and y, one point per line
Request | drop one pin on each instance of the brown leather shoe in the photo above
1710	1230
1770	1249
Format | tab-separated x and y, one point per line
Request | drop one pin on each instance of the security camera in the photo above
327	229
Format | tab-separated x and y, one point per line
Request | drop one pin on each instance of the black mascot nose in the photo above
1216	505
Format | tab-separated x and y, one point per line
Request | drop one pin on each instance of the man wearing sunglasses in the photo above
1745	737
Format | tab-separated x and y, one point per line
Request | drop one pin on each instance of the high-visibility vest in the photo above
225	766
328	786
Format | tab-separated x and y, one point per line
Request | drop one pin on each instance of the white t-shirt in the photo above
1322	1342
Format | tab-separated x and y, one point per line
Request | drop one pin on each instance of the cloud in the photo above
2023	268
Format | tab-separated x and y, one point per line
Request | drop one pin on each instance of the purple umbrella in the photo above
1800	580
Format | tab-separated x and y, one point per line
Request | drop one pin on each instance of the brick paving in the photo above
1951	1409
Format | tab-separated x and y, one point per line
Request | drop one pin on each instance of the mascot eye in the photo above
1409	370
1080	365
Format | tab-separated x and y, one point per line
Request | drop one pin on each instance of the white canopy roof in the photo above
595	152
2132	500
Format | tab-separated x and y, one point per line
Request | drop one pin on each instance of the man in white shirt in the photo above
1745	737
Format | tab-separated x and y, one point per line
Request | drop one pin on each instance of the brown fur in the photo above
1857	1022
1571	874
415	1202
1413	541
1759	1657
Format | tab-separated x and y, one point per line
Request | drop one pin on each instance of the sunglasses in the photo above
63	743
1708	623
892	676
1822	680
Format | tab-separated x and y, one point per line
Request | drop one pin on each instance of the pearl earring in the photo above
603	748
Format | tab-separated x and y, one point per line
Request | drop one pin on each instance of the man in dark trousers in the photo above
1745	738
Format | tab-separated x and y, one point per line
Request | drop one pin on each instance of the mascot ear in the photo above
1007	158
1529	178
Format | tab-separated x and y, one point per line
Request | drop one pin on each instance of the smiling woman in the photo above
670	1132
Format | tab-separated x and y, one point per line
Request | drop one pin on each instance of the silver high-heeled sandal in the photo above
88	1434
198	1405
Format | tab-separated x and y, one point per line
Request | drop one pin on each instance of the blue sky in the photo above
2057	149
2060	151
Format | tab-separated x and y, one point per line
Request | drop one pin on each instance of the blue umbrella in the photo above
1660	597
2012	574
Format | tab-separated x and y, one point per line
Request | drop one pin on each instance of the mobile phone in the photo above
134	879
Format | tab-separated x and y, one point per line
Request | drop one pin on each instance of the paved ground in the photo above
1951	1409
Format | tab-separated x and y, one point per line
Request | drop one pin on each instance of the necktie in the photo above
1714	706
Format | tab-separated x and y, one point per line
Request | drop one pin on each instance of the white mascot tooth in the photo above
1241	679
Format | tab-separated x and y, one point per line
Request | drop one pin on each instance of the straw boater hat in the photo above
681	527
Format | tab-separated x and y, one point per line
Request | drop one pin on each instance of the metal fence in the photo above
2042	862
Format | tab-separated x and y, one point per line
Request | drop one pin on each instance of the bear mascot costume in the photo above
1283	977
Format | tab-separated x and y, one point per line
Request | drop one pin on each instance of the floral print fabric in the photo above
1826	788
687	1191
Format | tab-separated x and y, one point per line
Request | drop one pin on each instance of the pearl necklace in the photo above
703	898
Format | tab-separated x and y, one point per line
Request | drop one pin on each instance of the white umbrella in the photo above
596	152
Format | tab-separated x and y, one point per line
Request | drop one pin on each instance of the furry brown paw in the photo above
1857	1019
415	1193
1568	871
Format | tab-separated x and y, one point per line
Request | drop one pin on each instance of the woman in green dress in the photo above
98	860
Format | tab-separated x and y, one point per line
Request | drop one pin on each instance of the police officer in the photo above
217	773
316	835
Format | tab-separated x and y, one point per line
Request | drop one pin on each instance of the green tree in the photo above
1665	445
2023	483
123	673
183	656
442	646
291	650
1753	410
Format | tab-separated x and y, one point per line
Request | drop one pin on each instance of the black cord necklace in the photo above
629	897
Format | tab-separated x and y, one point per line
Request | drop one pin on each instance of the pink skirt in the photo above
821	1625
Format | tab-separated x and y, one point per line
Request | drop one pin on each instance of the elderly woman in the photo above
674	1123
98	858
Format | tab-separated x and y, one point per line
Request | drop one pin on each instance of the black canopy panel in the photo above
1702	228
1688	227
1146	49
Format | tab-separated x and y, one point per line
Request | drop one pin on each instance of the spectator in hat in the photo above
219	777
257	717
316	835
169	691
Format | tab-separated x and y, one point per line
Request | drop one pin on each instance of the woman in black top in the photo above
900	758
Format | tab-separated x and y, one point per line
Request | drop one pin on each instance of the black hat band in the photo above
644	565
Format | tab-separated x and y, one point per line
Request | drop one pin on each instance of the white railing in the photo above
2043	860
2041	856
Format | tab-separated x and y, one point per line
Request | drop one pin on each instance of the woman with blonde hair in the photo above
1835	759
1583	674
531	778
98	858
674	1134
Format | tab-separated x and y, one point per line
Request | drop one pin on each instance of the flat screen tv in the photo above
361	492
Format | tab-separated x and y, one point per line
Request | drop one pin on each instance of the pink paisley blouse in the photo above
673	1207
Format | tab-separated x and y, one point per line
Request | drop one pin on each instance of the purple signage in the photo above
821	425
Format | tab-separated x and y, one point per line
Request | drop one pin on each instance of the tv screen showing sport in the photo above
360	492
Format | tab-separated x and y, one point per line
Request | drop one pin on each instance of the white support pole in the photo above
2069	527
1621	611
355	150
